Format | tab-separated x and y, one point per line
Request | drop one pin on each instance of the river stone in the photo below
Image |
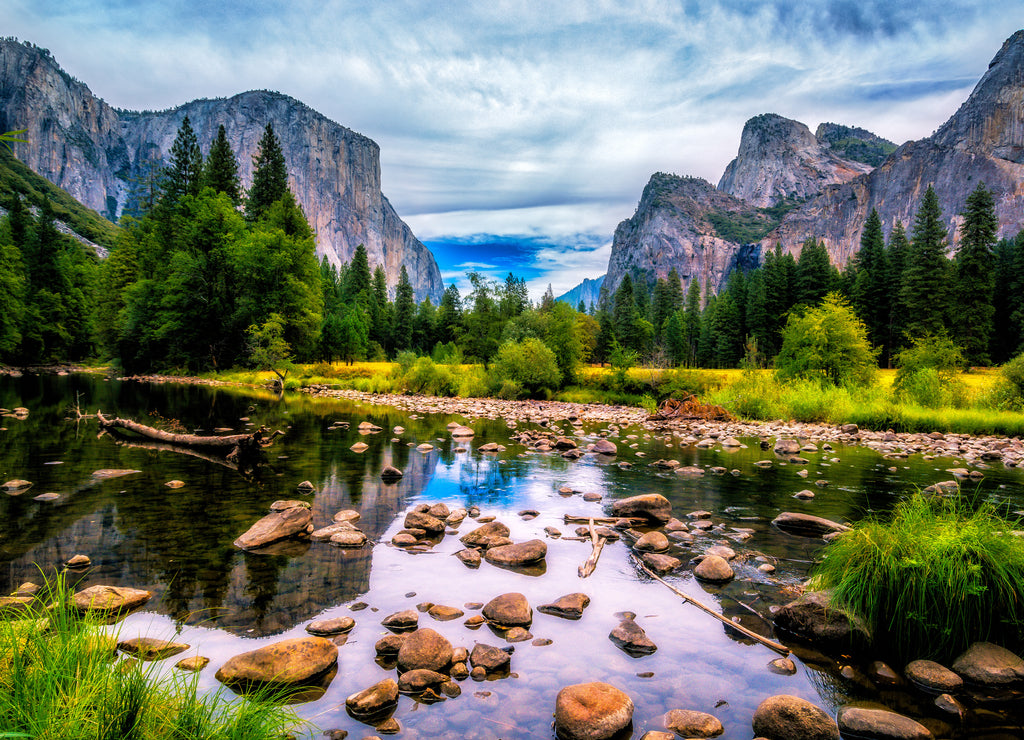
79	561
422	520
931	676
444	613
631	637
404	539
403	620
989	665
714	569
288	662
150	648
782	666
469	556
522	553
691	724
592	711
414	681
16	487
658	735
359	447
346	515
879	724
509	610
490	658
651	542
111	473
110	600
276	526
605	447
390	474
283	504
14	605
330	627
652	506
722	551
570	606
660	564
348	538
484	534
389	644
807	525
811	617
787	447
375	700
192	663
461	431
731	442
784	717
424	648
690	471
325	533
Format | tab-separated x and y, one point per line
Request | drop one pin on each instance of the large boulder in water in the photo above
652	506
276	526
110	600
295	662
592	711
807	525
522	553
785	717
811	617
377	699
483	535
509	610
989	665
864	722
425	648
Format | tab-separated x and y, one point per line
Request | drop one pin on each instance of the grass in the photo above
59	674
940	574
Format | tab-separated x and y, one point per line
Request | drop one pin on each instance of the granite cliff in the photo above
589	291
93	151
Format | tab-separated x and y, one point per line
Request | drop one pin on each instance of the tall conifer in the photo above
221	169
925	291
269	178
975	276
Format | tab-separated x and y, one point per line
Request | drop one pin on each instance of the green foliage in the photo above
940	574
269	178
426	377
268	349
1011	390
852	144
924	292
530	364
929	370
220	171
828	343
975	275
184	175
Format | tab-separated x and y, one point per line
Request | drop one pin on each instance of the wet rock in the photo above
348	538
690	471
346	515
784	717
79	561
805	494
110	600
444	613
932	676
807	525
722	551
404	539
989	665
389	644
285	504
390	474
377	699
787	446
151	648
459	671
491	659
483	535
324	534
651	542
192	663
175	484
406	619
425	648
714	569
660	564
285	663
658	735
16	487
592	711
605	447
359	447
522	553
491	447
811	617
652	506
462	432
509	610
274	527
418	679
422	520
469	556
111	473
439	510
950	705
631	637
782	666
883	674
592	497
518	634
570	606
879	724
691	724
455	517
330	627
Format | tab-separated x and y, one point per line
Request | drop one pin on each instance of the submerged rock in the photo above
811	617
879	724
785	717
291	662
151	648
592	711
275	526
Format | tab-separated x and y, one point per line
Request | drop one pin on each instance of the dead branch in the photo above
689	409
598	542
606	520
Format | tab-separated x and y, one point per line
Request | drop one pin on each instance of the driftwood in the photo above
777	647
607	520
598	542
689	409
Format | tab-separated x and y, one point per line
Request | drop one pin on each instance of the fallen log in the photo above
598	542
606	520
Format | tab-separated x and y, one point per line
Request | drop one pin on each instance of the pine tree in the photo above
870	297
924	292
547	301
405	310
757	323
975	276
625	316
514	298
691	321
1007	301
896	255
449	315
815	274
269	178
357	278
183	176
221	169
380	313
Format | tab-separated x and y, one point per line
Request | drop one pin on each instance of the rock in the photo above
439	511
490	658
948	704
276	526
811	617
14	605
330	627
346	515
787	447
192	663
111	473
651	542
592	711
418	679
461	431
807	525
731	442
714	569
175	484
782	666
16	487
482	535
631	637
150	648
523	553
879	724
285	663
657	735
849	429
110	600
425	648
570	606
784	717
403	620
359	447
660	564
652	506
509	610
324	534
390	474
425	447
470	557
444	613
377	699
805	494
389	644
931	676
349	538
404	539
691	724
690	471
79	561
518	634
989	665
722	551
605	447
423	520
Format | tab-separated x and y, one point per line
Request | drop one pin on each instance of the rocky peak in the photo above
854	143
781	159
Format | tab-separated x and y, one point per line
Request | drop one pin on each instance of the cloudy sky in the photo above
516	135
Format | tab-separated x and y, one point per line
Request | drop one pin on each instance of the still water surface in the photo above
178	544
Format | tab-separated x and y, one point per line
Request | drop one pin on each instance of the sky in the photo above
515	136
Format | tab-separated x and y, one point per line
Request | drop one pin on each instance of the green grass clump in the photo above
940	574
60	677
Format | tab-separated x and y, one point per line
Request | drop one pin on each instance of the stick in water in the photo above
598	542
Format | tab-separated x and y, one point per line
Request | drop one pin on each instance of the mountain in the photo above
855	144
94	152
589	291
780	159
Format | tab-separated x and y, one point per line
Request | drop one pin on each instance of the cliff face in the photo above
589	291
780	158
86	147
675	226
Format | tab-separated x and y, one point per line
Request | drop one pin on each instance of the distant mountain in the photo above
854	144
95	152
589	291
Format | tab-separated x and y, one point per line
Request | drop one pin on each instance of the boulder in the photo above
631	637
490	658
592	711
470	557
377	699
484	534
660	564
151	648
403	620
787	447
330	627
652	506
462	432
350	538
276	526
714	569
110	600
811	617
390	474
784	717
605	447
989	665
389	644
293	662
418	679
324	534
570	606
807	525
422	520
424	648
651	542
522	553
879	724
691	724
509	610
933	677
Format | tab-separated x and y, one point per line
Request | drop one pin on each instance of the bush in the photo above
1010	392
528	363
941	574
827	342
928	372
427	378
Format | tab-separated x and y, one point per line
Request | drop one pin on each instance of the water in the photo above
178	544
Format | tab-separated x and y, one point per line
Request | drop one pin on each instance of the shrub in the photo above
1010	392
941	574
427	378
928	372
827	342
530	364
